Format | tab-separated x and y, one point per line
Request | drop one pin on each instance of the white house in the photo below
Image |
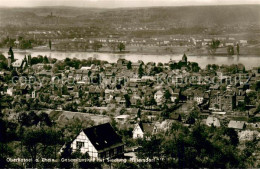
198	97
10	91
17	64
212	121
142	129
99	142
158	96
243	42
138	132
33	94
239	125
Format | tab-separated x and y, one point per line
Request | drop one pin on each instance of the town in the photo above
93	109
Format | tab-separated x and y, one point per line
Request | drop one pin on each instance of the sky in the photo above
120	3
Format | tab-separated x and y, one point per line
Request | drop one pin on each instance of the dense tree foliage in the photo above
3	62
201	146
213	46
140	71
121	46
129	65
230	50
96	46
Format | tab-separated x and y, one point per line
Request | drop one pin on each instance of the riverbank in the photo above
249	61
154	50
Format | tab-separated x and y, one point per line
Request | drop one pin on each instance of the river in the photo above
247	60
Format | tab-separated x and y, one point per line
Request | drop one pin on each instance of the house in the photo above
108	67
122	118
175	94
212	121
17	64
236	124
198	97
228	101
220	101
142	129
10	91
175	116
121	63
158	96
248	135
33	94
99	142
136	65
243	42
240	99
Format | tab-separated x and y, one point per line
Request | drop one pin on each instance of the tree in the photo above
38	141
195	67
238	49
215	67
247	156
96	46
230	50
50	44
150	148
45	60
121	46
213	46
66	153
29	60
167	95
11	53
160	64
139	113
257	88
2	58
184	58
113	46
127	100
232	134
5	150
140	71
3	62
65	90
129	65
26	44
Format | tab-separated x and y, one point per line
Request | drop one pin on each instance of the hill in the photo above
156	18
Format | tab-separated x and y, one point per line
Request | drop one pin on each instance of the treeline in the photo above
76	63
35	135
21	43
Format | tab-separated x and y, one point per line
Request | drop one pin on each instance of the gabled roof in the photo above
146	127
103	136
159	92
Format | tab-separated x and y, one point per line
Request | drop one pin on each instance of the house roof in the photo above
236	124
159	92
147	127
124	116
103	136
175	116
